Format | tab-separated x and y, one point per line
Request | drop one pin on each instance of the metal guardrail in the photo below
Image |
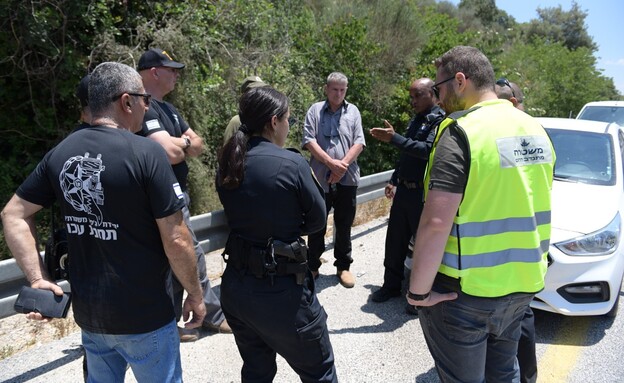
211	230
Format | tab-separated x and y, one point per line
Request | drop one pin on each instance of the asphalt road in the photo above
372	342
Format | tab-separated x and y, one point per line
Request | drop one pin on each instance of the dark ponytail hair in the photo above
255	109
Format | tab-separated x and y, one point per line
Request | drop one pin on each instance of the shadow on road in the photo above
70	355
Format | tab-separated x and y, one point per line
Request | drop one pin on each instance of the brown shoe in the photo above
188	334
222	328
346	278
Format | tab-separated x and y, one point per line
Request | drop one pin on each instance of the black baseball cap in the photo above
156	57
82	92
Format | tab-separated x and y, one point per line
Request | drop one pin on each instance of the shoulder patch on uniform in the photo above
178	190
152	124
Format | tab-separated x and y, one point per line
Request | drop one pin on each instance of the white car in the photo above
607	111
586	255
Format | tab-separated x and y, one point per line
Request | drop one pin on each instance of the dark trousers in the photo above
343	200
214	314
474	339
526	348
405	213
283	318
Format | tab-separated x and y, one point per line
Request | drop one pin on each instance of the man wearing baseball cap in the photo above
249	82
164	124
156	57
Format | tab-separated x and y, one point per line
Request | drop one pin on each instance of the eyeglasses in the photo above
504	82
146	97
435	87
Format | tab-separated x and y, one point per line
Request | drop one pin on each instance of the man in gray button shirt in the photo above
334	136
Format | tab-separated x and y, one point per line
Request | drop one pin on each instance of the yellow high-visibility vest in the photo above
499	241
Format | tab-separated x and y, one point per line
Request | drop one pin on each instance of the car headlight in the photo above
601	242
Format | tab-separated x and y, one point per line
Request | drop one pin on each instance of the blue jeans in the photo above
153	356
474	339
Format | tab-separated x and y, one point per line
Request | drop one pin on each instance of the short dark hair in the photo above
82	92
471	62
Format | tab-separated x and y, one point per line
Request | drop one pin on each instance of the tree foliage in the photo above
382	45
555	25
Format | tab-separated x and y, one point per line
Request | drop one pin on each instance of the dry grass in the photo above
18	334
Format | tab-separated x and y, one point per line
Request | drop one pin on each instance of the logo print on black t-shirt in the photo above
81	186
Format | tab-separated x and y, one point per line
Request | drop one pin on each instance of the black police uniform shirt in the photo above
111	185
416	146
278	197
160	116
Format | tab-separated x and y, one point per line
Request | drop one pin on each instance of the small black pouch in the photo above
41	301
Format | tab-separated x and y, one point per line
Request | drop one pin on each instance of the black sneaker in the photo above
383	294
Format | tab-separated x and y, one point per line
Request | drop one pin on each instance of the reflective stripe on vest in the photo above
497	258
498	226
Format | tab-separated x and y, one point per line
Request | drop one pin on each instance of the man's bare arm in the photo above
197	143
174	146
18	220
178	245
433	232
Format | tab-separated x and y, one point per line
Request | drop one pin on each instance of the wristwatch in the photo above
417	297
187	142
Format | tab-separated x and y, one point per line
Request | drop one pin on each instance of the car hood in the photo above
582	208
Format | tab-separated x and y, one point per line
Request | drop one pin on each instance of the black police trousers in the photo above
405	214
283	318
344	201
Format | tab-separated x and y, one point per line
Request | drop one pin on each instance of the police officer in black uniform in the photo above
270	200
406	183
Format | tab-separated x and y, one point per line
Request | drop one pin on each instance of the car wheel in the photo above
614	310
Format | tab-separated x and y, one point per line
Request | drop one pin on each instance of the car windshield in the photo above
583	156
603	113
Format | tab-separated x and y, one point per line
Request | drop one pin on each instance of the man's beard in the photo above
452	103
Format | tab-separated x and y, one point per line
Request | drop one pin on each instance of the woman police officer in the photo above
270	199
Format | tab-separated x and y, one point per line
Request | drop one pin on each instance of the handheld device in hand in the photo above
44	302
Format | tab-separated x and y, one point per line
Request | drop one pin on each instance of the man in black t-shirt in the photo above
121	207
164	124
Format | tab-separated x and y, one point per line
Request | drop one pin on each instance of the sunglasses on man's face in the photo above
435	87
146	97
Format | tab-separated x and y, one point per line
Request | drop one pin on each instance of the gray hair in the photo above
109	80
337	77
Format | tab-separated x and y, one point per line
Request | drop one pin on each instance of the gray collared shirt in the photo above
335	133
